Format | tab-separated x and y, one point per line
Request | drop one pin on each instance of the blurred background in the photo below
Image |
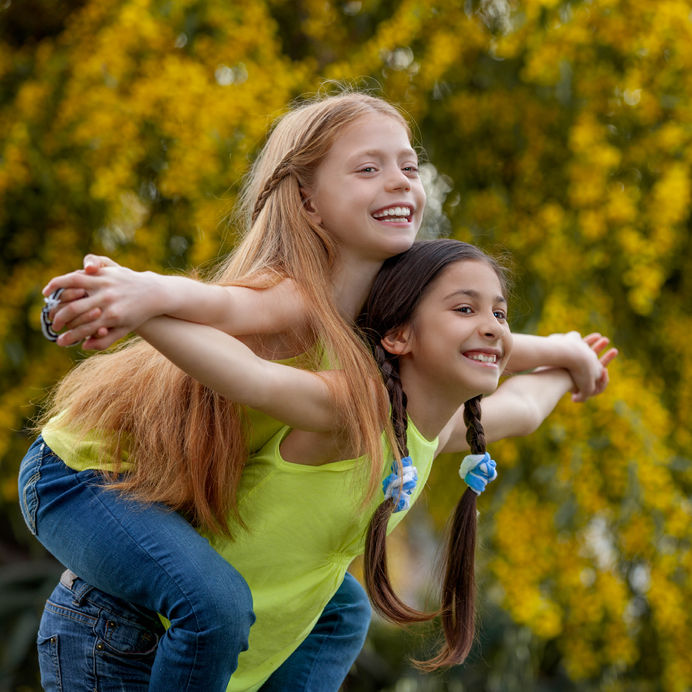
556	132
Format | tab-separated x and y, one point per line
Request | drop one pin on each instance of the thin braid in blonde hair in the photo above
283	170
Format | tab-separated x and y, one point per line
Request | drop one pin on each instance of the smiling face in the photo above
367	192
458	341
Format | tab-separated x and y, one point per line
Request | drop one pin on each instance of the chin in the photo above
399	245
490	389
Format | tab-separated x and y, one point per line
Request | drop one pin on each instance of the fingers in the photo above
74	280
92	263
78	334
70	294
599	343
75	313
608	357
101	341
580	397
605	360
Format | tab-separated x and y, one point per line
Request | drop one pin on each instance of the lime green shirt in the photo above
81	450
306	524
90	450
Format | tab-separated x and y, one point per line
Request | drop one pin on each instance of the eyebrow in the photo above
474	294
379	152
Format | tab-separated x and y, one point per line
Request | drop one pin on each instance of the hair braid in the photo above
379	587
397	397
475	435
283	170
459	587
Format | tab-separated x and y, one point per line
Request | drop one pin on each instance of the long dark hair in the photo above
395	294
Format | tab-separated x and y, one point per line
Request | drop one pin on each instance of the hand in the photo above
590	373
597	342
92	264
104	303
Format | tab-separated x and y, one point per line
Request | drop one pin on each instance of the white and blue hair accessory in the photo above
401	486
477	470
51	302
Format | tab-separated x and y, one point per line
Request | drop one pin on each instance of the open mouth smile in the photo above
401	213
483	357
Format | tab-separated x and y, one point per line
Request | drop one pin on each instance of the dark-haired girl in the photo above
436	322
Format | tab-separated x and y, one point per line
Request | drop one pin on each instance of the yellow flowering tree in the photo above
557	131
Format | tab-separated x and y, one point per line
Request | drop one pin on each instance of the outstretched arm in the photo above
230	368
522	402
568	351
105	301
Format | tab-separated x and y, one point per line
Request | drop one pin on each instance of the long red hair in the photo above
186	442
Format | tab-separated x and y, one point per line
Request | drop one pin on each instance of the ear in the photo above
397	341
309	206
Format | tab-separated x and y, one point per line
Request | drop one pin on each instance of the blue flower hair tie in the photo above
400	487
477	470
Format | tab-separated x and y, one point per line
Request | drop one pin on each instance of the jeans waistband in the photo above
81	589
78	586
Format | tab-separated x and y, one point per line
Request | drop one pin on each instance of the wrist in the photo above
563	351
158	297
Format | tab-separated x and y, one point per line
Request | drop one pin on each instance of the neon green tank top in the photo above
306	524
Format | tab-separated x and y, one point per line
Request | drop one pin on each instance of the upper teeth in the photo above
483	357
393	211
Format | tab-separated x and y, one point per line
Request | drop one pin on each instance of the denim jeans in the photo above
144	554
322	661
90	640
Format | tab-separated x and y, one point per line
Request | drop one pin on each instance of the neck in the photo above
351	282
430	405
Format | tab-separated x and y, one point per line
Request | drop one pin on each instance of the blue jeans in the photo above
89	640
149	556
322	661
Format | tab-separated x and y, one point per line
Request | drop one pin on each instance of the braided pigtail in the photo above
459	587
377	582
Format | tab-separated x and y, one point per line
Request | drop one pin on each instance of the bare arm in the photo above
299	398
568	351
104	302
517	408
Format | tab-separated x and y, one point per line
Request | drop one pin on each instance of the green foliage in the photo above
560	133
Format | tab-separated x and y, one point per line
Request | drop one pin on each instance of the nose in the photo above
397	179
490	327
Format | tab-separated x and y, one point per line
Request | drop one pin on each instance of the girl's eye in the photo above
465	309
367	169
410	170
500	315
